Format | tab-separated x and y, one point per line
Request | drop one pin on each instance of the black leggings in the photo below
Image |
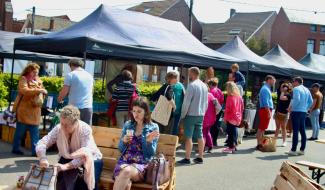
214	130
73	179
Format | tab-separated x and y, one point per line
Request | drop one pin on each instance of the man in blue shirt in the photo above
265	111
299	106
78	84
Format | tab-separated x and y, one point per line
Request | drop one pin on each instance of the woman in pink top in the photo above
233	115
217	93
209	120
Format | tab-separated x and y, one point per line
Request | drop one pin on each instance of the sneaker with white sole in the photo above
300	152
284	144
292	153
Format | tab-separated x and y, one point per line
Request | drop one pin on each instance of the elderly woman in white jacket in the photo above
77	148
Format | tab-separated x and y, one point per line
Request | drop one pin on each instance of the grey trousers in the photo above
121	118
86	115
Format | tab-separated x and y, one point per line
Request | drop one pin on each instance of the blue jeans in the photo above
98	171
177	118
298	126
232	135
314	119
19	134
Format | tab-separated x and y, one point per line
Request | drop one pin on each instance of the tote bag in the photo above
39	178
162	111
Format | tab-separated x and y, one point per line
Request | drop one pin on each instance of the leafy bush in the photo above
147	89
3	94
99	92
53	84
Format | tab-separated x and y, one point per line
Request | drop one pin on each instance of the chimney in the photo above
51	24
232	12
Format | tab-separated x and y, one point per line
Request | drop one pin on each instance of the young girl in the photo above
209	120
233	115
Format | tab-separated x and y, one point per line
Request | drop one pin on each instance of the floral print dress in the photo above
133	155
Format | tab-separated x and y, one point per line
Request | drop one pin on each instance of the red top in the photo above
234	110
217	93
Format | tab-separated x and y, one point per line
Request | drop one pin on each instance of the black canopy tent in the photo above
238	49
7	44
314	61
279	56
114	33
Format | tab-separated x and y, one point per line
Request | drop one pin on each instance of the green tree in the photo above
258	46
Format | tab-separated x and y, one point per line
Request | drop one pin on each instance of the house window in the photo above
313	28
322	47
322	29
310	46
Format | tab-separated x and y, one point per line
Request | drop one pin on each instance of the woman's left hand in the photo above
151	136
62	167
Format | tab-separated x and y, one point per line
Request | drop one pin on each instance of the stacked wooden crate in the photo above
292	178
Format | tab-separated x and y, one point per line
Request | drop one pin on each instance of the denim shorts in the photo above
193	127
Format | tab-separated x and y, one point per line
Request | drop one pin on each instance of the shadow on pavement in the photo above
245	151
18	166
273	157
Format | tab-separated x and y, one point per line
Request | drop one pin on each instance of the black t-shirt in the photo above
283	104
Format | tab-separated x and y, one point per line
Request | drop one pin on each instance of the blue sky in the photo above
209	11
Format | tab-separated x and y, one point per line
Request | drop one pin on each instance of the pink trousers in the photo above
207	136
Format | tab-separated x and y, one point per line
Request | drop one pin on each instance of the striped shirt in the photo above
123	93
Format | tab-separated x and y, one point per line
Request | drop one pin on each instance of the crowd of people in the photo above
199	106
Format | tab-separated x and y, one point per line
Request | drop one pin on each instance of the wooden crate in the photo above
11	134
5	133
292	178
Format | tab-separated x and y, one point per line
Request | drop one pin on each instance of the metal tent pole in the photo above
12	75
246	85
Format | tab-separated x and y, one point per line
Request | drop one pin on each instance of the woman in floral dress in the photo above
138	144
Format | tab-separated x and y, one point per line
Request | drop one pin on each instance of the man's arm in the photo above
187	101
63	93
295	98
310	102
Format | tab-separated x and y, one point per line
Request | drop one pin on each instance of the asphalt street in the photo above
247	169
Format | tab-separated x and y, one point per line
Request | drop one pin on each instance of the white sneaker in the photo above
300	152
292	153
284	144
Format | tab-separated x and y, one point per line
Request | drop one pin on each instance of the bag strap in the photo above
166	90
155	184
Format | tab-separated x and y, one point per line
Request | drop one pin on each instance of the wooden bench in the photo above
320	141
292	178
318	170
107	140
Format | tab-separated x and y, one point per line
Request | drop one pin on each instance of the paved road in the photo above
245	170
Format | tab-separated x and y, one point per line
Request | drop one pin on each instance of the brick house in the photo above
6	12
299	33
245	25
176	10
44	24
